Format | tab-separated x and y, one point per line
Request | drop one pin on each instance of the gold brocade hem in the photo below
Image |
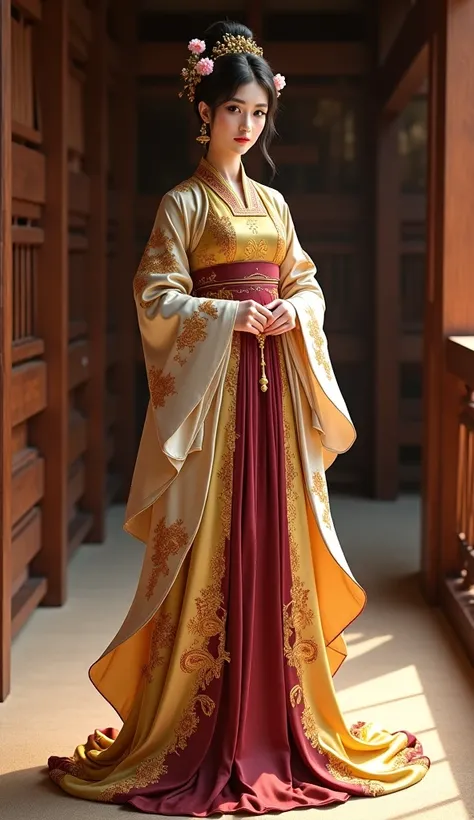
208	622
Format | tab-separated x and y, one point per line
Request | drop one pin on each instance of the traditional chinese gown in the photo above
222	670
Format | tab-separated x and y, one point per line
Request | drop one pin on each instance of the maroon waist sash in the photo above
241	280
238	280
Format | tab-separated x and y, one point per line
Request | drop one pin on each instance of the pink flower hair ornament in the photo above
205	66
196	46
198	67
280	83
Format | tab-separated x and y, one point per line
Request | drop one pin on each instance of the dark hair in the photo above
232	71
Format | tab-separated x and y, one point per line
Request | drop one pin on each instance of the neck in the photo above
228	165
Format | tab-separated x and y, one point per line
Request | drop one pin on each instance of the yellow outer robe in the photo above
187	345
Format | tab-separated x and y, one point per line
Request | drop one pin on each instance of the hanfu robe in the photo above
222	671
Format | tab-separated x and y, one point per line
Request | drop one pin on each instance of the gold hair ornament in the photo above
199	67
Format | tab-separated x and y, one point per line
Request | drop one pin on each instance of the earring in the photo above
204	137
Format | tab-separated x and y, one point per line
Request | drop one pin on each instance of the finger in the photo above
257	326
264	311
279	322
274	304
281	310
279	330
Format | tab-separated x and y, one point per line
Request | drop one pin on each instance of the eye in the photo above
261	113
232	108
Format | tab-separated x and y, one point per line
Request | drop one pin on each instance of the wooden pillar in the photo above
450	280
126	256
96	116
49	430
254	18
387	319
5	346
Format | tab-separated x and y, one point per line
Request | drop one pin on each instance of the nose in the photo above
245	125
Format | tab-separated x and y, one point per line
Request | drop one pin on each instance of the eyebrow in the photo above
244	102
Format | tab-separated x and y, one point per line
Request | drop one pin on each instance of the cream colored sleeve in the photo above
307	344
186	340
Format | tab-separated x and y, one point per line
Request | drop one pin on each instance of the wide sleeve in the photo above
186	340
307	344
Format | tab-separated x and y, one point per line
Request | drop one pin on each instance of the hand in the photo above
284	317
252	317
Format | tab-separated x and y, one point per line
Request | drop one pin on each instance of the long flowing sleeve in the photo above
186	340
307	344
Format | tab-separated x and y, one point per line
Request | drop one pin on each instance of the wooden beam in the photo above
387	319
126	119
406	65
253	12
450	284
49	429
328	59
31	9
96	113
5	346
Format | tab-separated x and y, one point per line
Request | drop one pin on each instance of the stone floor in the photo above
405	668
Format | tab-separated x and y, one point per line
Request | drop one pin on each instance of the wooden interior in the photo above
374	158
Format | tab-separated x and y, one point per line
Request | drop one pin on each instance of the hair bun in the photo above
215	32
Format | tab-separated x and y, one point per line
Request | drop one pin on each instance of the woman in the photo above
222	670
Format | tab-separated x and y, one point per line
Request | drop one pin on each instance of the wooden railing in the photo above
457	594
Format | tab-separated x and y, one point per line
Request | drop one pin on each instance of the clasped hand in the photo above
273	319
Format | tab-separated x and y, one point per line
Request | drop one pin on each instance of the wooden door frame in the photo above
5	345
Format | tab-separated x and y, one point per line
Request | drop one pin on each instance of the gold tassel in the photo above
263	380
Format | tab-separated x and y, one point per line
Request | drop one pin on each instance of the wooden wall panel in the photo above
95	280
122	163
450	284
26	541
387	320
5	347
48	430
28	396
27	483
28	181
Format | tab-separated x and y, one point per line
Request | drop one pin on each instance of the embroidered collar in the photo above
253	205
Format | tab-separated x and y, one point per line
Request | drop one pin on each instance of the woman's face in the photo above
238	123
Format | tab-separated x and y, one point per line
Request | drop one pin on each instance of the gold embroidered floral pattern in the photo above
161	386
220	293
256	250
167	540
209	307
297	615
318	343
194	331
184	186
223	234
252	225
163	636
72	766
319	488
158	256
207	280
208	622
359	730
140	282
411	755
280	252
205	257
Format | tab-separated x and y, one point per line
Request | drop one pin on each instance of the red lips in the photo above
241	139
